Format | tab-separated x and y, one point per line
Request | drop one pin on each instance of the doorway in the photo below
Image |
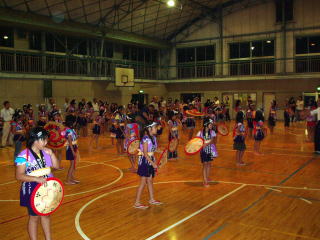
227	98
140	98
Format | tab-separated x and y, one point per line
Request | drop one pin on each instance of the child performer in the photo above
209	151
188	122
147	165
239	139
35	157
72	152
131	133
120	119
250	115
286	116
96	130
58	152
211	114
43	115
258	131
272	116
173	133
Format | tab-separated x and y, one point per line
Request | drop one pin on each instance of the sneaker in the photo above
140	206
155	202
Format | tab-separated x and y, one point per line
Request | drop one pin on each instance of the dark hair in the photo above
259	116
35	134
206	120
239	117
5	103
238	102
70	120
145	131
170	114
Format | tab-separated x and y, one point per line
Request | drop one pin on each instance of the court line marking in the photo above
228	182
84	236
16	181
281	154
104	186
263	196
224	144
91	190
71	201
273	189
195	213
307	201
276	231
94	163
1	184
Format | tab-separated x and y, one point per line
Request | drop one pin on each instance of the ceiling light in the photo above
5	37
312	44
171	3
141	91
268	41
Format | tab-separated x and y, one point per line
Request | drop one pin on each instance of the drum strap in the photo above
40	161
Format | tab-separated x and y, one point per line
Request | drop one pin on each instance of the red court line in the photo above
75	200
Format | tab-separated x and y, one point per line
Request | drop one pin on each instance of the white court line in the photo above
104	186
77	218
16	181
270	186
281	154
305	200
8	182
195	213
273	189
91	190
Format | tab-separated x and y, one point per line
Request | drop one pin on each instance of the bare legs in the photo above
33	227
206	167
143	182
239	156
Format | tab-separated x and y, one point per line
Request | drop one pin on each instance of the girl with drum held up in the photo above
173	133
209	151
147	165
34	158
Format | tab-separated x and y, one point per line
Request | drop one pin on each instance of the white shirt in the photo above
316	112
156	106
65	106
95	107
163	103
300	105
6	114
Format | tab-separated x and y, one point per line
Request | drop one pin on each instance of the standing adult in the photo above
6	114
95	105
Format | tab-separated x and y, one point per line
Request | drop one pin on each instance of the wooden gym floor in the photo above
276	196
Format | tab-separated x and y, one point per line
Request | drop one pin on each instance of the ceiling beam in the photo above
42	23
203	15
